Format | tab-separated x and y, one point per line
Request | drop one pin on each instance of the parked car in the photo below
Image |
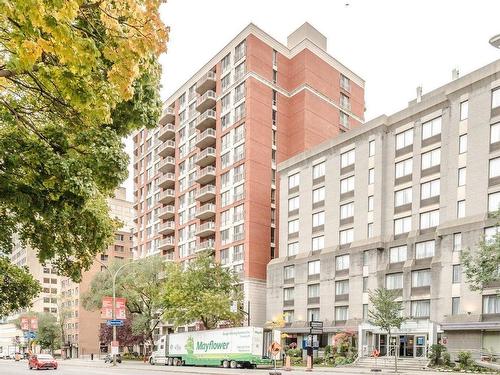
109	358
42	361
6	356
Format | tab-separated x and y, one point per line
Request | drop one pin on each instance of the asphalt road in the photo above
73	367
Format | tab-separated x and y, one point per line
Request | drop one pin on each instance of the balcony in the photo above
166	212
168	116
167	165
206	120
206	157
167	243
206	211
167	181
206	229
205	139
167	196
206	193
208	245
206	101
167	132
167	148
205	175
167	227
206	82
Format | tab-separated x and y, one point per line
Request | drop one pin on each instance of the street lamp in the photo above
495	41
113	276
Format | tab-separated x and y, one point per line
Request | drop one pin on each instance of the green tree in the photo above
141	284
482	265
203	291
386	313
76	77
17	287
48	335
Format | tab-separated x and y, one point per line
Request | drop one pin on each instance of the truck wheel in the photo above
177	362
151	361
233	364
169	361
225	363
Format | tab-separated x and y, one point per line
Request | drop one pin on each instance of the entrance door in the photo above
420	346
382	344
406	345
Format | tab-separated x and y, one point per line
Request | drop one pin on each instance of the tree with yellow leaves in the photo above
76	77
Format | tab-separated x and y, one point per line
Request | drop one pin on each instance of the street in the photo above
10	367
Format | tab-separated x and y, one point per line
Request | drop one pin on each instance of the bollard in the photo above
287	366
309	363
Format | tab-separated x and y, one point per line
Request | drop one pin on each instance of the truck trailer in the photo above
244	347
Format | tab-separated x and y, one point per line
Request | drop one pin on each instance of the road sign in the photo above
316	324
115	322
315	331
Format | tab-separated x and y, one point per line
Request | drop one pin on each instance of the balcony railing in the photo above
167	164
167	180
206	120
167	227
167	243
167	196
206	245
206	193
168	116
206	101
167	132
206	229
166	212
206	157
206	175
206	138
167	148
206	82
206	211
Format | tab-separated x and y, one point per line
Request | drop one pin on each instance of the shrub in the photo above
328	351
294	352
318	360
296	361
340	360
446	359
435	352
465	360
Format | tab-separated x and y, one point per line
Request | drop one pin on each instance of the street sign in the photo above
114	322
315	331
316	324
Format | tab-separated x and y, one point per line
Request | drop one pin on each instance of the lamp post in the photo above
113	277
495	41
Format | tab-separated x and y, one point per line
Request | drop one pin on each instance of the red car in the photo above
42	361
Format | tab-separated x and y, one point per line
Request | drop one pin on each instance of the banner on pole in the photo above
34	323
107	308
120	308
25	324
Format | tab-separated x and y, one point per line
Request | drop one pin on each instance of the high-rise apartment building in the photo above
80	326
205	179
392	204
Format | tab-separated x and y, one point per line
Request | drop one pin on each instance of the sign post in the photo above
315	328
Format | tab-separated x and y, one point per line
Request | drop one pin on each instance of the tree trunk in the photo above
395	354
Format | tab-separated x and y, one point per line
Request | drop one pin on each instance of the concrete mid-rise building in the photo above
205	179
80	326
392	204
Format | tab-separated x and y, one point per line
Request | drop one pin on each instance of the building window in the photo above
369	230
420	278
430	189
457	274
346	236
491	304
239	51
462	144
347	158
344	119
490	234
345	83
239	92
313	291
461	209
318	219
371	148
455	305
404	168
318	243
421	309
347	185
224	256
371	176
424	249
493	201
431	158
341	313
464	110
288	294
319	195
462	176
347	210
226	62
494	168
370	203
342	262
341	287
495	132
429	219
312	315
293	226
239	71
313	268
365	284
288	272
402	197
457	241
239	112
293	180
402	225
226	82
293	204
366	257
394	281
495	98
365	311
288	316
431	128
292	249
404	139
318	170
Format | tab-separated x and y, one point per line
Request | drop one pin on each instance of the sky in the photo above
394	45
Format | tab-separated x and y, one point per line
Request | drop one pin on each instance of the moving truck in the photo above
228	347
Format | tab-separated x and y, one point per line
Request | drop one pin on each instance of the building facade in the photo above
205	179
81	327
392	204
